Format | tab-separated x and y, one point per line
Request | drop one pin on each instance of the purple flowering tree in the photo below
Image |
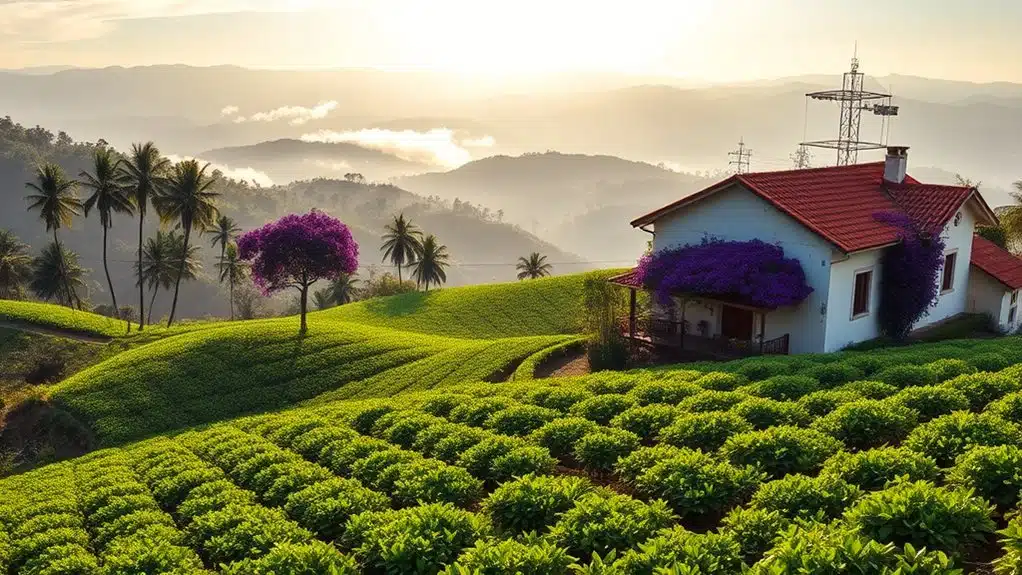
754	271
296	251
908	275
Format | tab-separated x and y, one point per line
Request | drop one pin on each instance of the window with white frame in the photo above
947	281
861	290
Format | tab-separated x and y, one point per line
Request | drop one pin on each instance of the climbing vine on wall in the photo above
908	275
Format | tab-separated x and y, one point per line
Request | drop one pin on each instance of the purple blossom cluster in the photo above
754	272
908	274
299	249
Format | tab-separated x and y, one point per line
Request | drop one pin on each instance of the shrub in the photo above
923	515
522	461
402	432
477	411
872	469
1011	539
479	458
442	405
599	450
763	413
869	389
820	403
707	431
494	557
949	436
983	388
784	387
712	401
559	398
989	361
629	468
721	381
313	558
560	435
533	503
694	483
757	370
663	391
365	418
867	363
834	374
945	369
820	498
599	523
702	554
995	473
781	450
868	423
646	421
907	375
931	400
520	420
429	441
753	529
1009	407
602	408
326	506
235	532
430	481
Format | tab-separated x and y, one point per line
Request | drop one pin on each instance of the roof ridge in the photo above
813	170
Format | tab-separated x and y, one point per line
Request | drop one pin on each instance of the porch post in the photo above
681	326
631	313
762	331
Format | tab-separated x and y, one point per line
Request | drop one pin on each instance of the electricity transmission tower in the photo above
741	155
802	158
853	101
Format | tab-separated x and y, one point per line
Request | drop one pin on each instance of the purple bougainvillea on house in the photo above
753	272
908	274
296	251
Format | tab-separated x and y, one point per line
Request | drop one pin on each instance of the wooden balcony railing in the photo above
675	334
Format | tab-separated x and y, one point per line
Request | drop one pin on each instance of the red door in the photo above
736	323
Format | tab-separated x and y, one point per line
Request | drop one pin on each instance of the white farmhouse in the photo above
824	218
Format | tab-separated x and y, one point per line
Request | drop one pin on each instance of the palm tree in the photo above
533	267
189	199
321	298
15	266
145	170
232	269
56	198
109	196
343	289
402	243
161	258
223	232
1011	217
429	269
56	274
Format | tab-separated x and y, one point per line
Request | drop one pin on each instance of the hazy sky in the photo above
717	40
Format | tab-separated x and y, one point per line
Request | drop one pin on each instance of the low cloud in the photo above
295	115
439	146
229	110
245	174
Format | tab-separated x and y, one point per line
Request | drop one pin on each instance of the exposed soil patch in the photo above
54	331
36	432
572	362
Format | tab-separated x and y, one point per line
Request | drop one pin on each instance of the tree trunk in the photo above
305	297
230	280
399	275
110	282
152	301
180	272
141	284
63	271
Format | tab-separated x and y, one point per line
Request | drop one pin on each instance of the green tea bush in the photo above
712	401
403	431
602	408
907	375
146	554
599	450
931	401
694	483
600	523
781	450
520	420
1008	407
869	389
994	473
721	381
430	481
763	413
313	558
477	411
365	418
706	431
442	405
923	515
663	391
983	387
796	495
784	387
560	398
629	468
496	557
646	421
533	503
326	506
948	436
479	458
868	364
755	530
989	361
450	448
560	435
1011	540
820	403
678	548
831	375
868	423
428	441
945	369
757	370
520	462
872	469
236	532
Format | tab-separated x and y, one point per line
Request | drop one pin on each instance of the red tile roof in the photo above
998	262
838	203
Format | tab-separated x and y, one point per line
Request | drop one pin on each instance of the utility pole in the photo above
802	159
741	155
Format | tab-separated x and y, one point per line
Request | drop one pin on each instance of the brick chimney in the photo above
895	164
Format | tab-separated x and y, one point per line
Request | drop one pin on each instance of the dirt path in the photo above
564	366
55	332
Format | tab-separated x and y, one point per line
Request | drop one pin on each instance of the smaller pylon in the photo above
741	155
802	158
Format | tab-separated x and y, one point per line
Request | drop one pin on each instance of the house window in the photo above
947	281
1013	310
860	298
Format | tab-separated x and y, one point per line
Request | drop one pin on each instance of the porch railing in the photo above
676	334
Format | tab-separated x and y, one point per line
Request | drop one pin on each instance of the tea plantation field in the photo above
898	462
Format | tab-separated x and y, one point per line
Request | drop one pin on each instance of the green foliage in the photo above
931	401
831	375
948	436
1009	407
990	361
994	473
712	401
313	558
868	423
60	317
923	515
493	557
669	392
521	462
520	420
763	413
560	398
706	431
599	523
869	389
533	503
560	435
793	496
694	483
784	387
902	376
781	450
945	369
721	381
872	469
982	388
602	408
1011	540
599	450
754	529
646	421
703	554
820	403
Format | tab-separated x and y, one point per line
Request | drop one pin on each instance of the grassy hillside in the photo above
61	318
546	306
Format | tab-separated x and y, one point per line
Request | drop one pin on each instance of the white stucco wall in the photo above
956	300
737	214
989	296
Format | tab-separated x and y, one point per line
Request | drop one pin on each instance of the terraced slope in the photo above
60	318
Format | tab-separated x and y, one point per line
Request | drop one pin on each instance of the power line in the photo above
742	155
